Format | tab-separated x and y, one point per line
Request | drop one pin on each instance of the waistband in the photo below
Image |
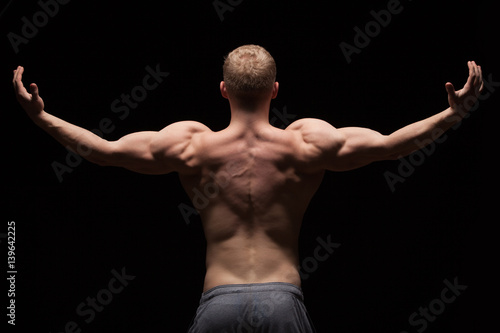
269	287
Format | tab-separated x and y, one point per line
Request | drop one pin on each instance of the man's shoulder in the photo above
181	133
315	131
308	123
174	143
188	127
315	139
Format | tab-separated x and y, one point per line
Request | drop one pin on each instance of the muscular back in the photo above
251	188
255	181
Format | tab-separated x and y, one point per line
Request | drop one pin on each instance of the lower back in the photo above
251	257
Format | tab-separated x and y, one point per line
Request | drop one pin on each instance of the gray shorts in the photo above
250	308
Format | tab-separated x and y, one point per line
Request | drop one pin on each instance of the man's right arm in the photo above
353	147
363	146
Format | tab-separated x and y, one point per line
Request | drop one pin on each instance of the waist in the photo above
278	270
243	290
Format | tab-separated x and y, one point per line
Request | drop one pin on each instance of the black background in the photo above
397	247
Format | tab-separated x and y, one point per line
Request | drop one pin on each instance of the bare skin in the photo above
259	179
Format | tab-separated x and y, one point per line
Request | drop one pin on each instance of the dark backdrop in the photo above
394	246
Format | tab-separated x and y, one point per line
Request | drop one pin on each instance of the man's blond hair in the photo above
249	69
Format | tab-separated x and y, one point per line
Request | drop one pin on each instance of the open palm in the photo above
32	103
464	99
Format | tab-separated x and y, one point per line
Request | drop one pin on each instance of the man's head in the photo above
249	74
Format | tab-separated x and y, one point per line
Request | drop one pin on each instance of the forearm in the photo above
79	140
420	134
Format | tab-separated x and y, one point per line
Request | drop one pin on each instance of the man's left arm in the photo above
143	152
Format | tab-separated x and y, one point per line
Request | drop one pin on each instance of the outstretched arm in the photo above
143	152
365	146
353	147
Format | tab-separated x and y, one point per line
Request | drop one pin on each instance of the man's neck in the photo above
249	118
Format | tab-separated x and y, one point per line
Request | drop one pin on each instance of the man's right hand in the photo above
31	103
461	101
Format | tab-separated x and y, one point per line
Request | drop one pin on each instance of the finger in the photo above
478	82
470	79
18	75
18	84
476	74
481	78
472	74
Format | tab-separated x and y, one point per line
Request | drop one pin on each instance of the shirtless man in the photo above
266	178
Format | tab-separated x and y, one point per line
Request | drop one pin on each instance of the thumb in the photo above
450	88
34	90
